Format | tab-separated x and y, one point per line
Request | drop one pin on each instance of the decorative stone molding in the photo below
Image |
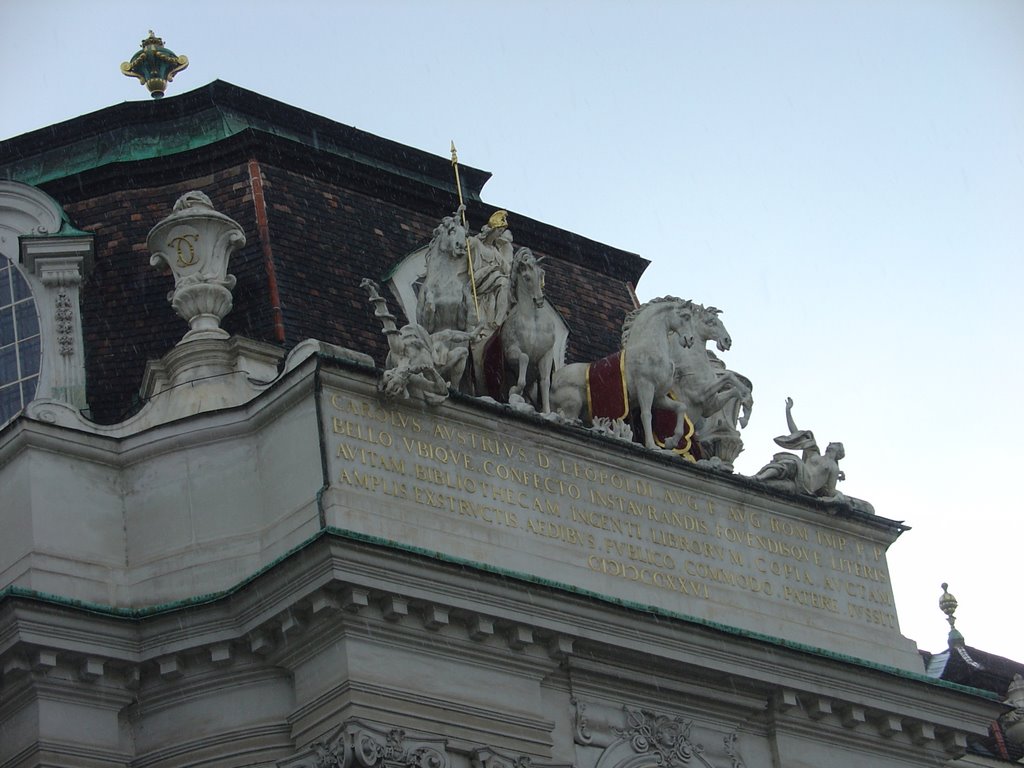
486	757
195	243
64	317
358	745
58	267
660	739
54	258
636	738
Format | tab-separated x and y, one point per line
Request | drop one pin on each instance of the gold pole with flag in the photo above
465	225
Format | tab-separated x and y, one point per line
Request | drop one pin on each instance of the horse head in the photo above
681	323
449	239
662	316
711	328
527	278
441	303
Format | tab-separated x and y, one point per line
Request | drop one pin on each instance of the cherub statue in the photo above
813	473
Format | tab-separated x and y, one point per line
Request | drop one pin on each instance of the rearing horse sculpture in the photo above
653	340
703	384
442	303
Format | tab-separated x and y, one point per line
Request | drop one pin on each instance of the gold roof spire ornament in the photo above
154	66
948	605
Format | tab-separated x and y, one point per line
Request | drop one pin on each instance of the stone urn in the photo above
195	242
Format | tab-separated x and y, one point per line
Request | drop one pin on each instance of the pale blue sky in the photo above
844	178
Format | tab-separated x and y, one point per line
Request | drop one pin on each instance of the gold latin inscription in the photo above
608	522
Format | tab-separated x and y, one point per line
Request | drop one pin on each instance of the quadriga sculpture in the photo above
528	333
654	337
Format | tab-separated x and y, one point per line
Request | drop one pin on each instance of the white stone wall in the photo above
208	592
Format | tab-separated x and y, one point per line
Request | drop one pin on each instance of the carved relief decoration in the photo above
486	757
667	739
358	745
64	317
581	725
639	738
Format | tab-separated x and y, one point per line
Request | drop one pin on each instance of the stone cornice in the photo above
519	620
103	443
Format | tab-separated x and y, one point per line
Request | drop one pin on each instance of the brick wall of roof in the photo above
325	236
341	205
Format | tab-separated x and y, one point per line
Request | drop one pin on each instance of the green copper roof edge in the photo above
160	608
211	597
87	155
67	229
205	128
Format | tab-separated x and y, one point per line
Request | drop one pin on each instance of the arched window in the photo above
20	351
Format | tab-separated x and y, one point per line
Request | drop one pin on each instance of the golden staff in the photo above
465	225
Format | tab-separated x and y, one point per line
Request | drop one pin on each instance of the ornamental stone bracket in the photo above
639	738
359	745
56	267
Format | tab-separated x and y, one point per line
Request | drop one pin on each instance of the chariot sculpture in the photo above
484	327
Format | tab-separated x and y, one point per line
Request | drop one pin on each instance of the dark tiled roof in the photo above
976	668
979	669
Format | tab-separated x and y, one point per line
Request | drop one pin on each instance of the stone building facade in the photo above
230	549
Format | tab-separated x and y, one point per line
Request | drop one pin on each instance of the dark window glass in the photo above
6	326
28	389
29	354
26	320
20	343
21	289
9	364
10	402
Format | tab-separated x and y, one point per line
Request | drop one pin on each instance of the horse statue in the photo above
442	302
654	338
715	398
528	333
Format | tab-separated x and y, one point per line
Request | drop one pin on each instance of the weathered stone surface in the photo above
596	516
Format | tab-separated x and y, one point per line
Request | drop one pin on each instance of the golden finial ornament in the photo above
154	65
948	605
